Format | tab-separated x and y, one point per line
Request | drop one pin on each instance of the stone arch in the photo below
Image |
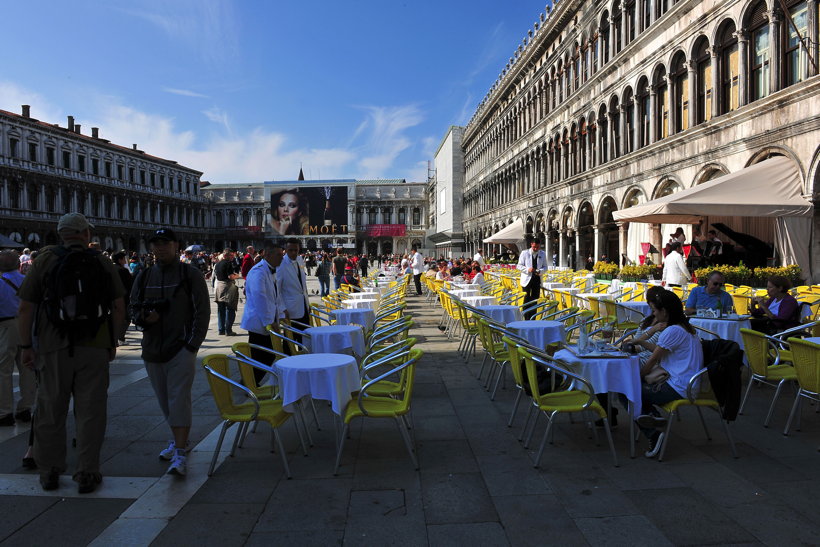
666	186
710	171
634	195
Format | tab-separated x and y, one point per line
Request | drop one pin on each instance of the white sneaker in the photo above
168	453
179	464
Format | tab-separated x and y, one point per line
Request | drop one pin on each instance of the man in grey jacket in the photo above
171	303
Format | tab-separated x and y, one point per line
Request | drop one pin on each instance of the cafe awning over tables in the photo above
513	233
8	243
771	188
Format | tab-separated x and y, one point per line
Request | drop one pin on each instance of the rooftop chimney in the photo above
77	128
95	132
135	146
26	111
71	123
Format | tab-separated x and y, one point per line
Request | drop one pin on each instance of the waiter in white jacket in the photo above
417	263
264	304
675	273
291	281
532	264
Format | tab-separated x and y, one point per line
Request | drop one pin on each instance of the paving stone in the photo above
456	498
536	521
438	428
512	474
70	521
686	517
223	524
615	531
447	456
589	493
775	523
398	530
17	511
719	484
312	504
468	535
250	482
303	538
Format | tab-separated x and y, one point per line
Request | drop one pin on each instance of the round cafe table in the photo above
539	333
335	339
479	300
364	316
327	376
365	294
361	303
632	310
461	293
502	313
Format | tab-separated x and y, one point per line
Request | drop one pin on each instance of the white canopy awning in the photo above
513	233
771	188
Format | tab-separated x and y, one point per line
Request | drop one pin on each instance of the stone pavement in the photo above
476	484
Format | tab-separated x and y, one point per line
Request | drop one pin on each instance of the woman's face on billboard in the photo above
288	206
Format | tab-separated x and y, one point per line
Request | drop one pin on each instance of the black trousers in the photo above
417	280
532	292
261	356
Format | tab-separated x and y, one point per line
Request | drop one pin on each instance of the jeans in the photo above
337	281
655	394
225	316
324	286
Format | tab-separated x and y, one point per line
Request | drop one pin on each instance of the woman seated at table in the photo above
431	271
350	277
679	353
645	340
478	277
778	310
443	274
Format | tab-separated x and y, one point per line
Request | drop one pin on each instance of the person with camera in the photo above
71	306
226	293
170	303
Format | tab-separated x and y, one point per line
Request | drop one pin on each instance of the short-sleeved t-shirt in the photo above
341	263
699	298
684	359
34	290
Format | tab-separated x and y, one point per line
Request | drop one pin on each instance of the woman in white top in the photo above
679	352
478	277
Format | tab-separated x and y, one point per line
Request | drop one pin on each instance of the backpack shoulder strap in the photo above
10	284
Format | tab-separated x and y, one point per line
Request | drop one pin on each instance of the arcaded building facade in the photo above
606	105
47	170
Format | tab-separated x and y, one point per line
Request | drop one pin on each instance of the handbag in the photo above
657	375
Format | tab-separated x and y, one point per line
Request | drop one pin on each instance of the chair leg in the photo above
526	423
498	380
281	446
225	425
341	447
544	440
236	441
666	437
532	428
795	409
746	396
515	408
729	437
609	440
408	443
703	423
483	364
774	400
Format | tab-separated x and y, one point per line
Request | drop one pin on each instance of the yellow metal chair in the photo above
757	347
243	350
742	303
705	398
578	396
611	308
806	357
366	406
251	410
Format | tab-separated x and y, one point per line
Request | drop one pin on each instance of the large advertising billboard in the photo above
308	210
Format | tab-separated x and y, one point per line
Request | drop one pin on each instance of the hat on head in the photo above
163	233
75	222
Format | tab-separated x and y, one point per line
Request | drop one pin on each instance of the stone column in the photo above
624	29
716	90
625	145
812	38
775	49
596	242
672	106
743	64
651	12
562	249
611	47
653	113
693	102
655	238
622	238
577	253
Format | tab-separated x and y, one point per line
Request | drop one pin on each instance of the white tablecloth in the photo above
813	340
503	313
641	310
462	293
549	285
476	301
539	333
616	374
336	339
463	285
365	316
725	329
586	296
364	295
327	376
361	303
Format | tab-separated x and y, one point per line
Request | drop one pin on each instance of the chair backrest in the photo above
514	358
243	349
756	346
218	374
741	303
408	378
806	359
561	377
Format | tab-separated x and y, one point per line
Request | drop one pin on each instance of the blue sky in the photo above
246	90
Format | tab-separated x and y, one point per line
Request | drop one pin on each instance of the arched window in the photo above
259	217
795	57
246	218
416	216
231	219
759	52
359	216
576	68
604	38
629	112
218	219
402	215
603	134
643	113
703	80
630	21
51	200
574	150
596	47
729	69
680	77
582	147
371	216
646	14
387	214
661	7
661	104
560	83
32	198
615	126
617	21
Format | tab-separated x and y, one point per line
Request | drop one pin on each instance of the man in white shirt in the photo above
264	304
291	281
417	263
532	264
675	273
479	257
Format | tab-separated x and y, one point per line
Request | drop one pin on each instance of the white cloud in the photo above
241	156
184	92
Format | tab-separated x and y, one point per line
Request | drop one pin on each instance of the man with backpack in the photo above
170	301
76	298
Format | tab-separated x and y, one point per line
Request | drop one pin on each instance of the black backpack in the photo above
78	293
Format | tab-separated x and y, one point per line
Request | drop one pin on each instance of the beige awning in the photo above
771	188
513	233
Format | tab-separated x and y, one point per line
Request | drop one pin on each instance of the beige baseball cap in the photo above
75	222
